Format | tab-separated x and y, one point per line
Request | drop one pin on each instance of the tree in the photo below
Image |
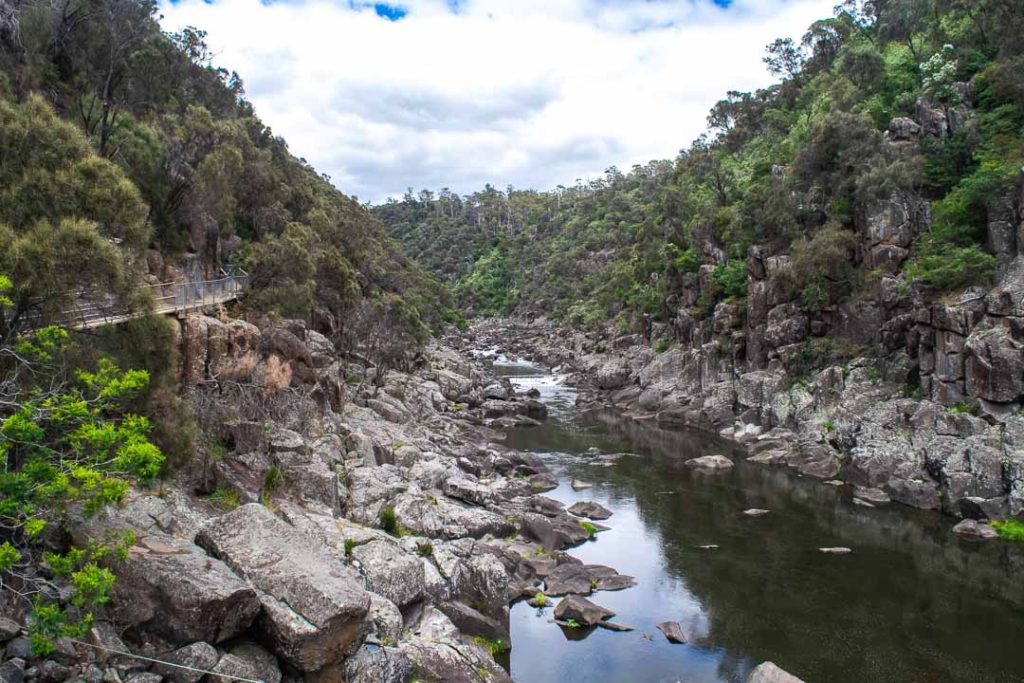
68	442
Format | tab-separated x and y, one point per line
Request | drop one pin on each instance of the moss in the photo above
1010	529
493	647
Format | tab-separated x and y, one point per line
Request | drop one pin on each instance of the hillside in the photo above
913	105
115	131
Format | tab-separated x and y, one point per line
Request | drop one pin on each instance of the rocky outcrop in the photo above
312	605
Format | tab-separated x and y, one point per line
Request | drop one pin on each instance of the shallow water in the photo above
910	603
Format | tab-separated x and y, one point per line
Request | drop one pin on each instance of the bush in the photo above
948	267
389	521
1010	529
821	269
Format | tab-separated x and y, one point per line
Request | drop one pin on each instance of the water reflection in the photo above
911	603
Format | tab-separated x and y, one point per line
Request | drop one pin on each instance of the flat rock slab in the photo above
711	462
582	611
837	550
590	510
313	605
582	579
673	632
768	672
973	530
756	512
578	485
708	546
612	626
874	496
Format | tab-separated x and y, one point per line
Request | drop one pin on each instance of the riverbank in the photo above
344	524
854	422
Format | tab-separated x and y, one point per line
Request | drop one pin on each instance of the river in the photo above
911	602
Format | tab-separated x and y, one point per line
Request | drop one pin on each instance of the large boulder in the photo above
439	652
581	610
312	604
396	575
767	672
995	365
173	589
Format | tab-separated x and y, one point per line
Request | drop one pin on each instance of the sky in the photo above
459	93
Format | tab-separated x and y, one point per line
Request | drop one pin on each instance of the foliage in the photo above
69	440
790	168
493	647
225	499
1010	529
588	527
821	270
388	521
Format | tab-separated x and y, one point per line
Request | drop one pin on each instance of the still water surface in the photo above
910	603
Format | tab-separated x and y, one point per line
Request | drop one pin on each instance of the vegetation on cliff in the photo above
792	168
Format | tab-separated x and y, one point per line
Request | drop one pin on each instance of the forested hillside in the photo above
129	144
915	101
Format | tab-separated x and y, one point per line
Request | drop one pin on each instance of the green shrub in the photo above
1010	529
540	599
493	647
600	347
661	344
350	544
388	521
226	499
425	548
948	267
591	529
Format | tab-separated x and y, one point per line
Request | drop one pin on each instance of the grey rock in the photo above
54	672
11	672
197	656
835	550
874	496
711	462
591	510
250	661
578	485
18	647
974	530
612	626
378	665
385	619
438	652
474	623
313	605
8	629
768	672
995	365
396	575
481	580
673	632
466	490
756	512
583	611
144	677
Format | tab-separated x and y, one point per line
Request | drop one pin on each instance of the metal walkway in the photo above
167	298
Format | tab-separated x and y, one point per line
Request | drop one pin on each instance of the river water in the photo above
910	603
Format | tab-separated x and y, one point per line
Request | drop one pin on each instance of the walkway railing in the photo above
167	297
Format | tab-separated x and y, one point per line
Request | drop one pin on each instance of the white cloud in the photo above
528	92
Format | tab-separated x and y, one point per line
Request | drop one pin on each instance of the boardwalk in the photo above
168	298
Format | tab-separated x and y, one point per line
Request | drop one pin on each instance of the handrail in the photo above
167	297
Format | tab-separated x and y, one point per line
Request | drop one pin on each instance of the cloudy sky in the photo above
458	93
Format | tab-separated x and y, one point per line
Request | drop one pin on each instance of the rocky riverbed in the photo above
344	526
855	422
